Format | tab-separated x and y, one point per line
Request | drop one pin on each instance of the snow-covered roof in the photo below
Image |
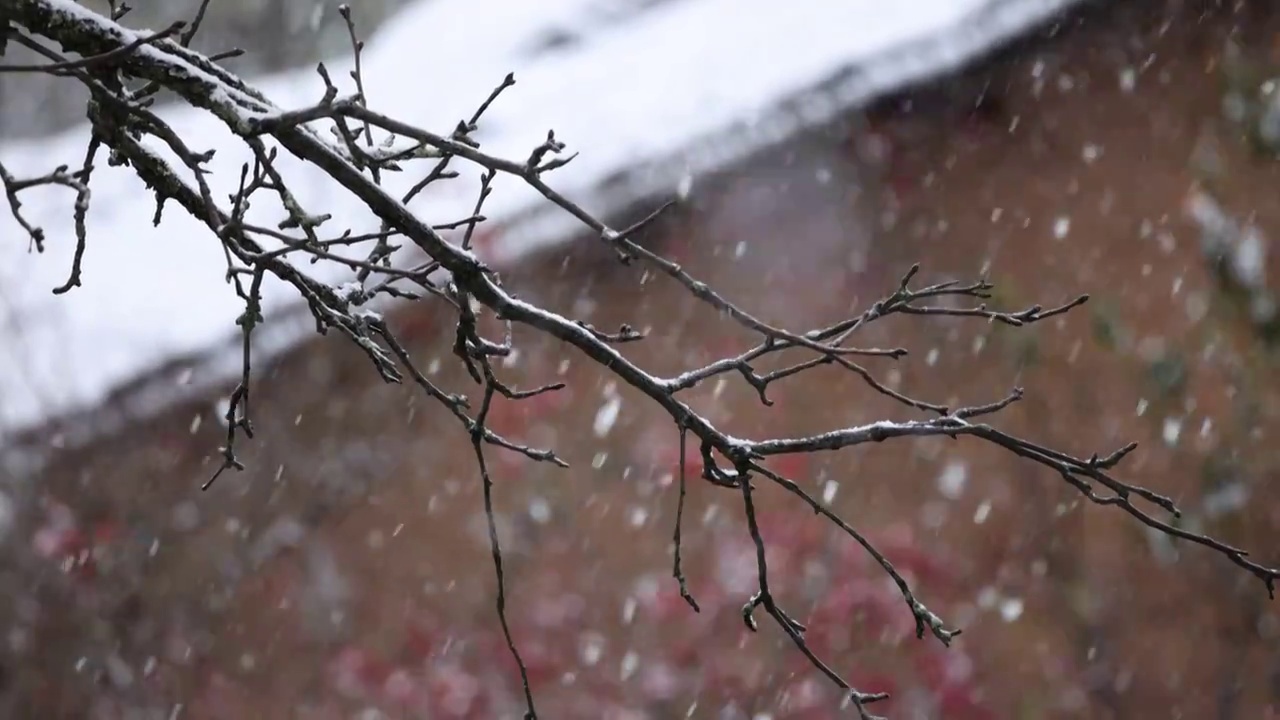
647	91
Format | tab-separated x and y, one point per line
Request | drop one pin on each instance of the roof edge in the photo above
532	234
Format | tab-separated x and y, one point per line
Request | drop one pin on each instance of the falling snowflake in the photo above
1061	227
606	416
952	480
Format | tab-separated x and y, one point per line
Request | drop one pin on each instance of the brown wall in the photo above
385	489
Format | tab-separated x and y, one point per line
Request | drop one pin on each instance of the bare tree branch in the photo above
452	274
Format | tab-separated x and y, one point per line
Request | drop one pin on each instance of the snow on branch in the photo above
356	146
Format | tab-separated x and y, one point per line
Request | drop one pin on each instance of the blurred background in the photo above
275	35
1122	149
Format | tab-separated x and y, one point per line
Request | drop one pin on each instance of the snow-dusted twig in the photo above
454	275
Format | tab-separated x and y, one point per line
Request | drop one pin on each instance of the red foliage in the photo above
856	617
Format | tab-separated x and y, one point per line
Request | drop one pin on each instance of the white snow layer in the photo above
649	93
